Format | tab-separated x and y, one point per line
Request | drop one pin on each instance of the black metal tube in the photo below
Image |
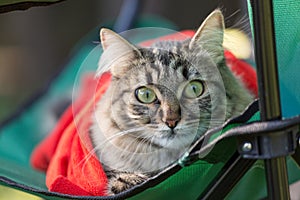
266	60
265	54
277	179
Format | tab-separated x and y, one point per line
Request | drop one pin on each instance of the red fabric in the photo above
243	70
70	167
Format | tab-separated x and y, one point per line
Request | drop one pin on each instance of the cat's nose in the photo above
171	123
170	112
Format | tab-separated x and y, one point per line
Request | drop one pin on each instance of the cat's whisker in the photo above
190	121
151	141
152	126
100	146
122	133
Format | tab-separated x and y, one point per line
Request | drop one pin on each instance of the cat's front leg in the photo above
121	181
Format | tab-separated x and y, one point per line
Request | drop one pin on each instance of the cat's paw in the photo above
123	181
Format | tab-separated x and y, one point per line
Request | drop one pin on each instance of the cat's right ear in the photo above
210	35
119	53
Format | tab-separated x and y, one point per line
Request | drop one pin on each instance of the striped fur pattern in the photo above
134	139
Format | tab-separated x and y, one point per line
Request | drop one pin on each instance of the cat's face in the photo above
169	100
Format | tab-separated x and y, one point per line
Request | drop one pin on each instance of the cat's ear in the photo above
119	53
210	35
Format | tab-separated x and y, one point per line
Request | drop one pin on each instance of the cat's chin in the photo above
173	140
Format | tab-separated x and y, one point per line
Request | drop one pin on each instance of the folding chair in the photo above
248	157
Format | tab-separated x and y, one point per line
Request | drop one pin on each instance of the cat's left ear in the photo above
210	35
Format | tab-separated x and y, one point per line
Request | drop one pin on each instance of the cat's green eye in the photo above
145	95
194	89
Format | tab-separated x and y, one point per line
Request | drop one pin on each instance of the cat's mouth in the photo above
163	139
172	139
169	134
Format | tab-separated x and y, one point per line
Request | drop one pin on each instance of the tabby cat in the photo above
160	100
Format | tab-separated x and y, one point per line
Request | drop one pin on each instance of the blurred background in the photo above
36	43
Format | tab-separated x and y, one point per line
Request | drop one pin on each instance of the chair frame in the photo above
270	110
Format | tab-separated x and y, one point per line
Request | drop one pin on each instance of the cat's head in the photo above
170	93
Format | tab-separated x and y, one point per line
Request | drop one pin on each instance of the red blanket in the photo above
70	167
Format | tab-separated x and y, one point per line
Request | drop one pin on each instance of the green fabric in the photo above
252	185
185	184
287	21
287	33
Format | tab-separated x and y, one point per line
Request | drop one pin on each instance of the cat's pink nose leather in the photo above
172	123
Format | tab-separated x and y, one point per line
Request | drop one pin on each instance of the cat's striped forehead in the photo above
168	62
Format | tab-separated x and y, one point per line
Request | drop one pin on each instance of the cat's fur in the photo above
134	140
